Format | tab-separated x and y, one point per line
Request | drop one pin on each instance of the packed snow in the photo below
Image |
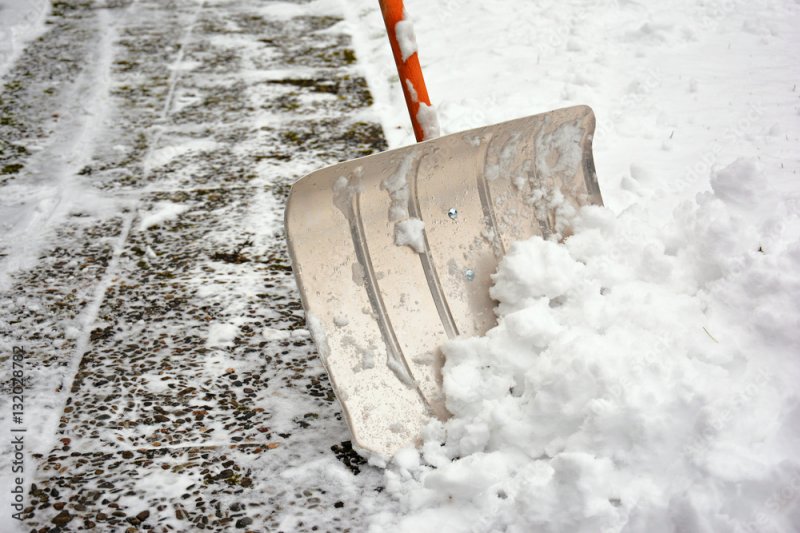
220	335
20	23
404	31
410	232
163	212
429	120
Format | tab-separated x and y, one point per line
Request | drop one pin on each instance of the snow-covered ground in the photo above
644	374
149	147
20	21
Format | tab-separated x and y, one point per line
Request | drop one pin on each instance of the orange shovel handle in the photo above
409	70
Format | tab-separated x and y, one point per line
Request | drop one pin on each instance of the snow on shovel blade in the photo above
393	255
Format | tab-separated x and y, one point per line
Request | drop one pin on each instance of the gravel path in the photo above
170	383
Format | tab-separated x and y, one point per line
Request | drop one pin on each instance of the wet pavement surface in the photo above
160	322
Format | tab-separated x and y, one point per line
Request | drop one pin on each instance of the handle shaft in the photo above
409	70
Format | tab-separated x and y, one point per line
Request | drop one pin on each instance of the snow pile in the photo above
641	378
643	374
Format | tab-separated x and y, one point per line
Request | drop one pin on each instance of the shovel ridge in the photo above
428	267
381	310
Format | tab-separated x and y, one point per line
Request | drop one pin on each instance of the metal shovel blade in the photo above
393	255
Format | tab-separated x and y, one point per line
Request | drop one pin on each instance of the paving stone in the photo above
216	488
192	395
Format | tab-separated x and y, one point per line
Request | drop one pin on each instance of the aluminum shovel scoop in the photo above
393	252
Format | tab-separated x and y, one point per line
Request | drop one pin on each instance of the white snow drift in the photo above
643	375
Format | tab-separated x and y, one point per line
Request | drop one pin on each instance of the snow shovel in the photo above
393	253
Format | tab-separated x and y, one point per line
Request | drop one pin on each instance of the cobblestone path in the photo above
158	314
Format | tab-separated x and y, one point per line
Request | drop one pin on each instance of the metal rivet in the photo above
469	274
452	213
